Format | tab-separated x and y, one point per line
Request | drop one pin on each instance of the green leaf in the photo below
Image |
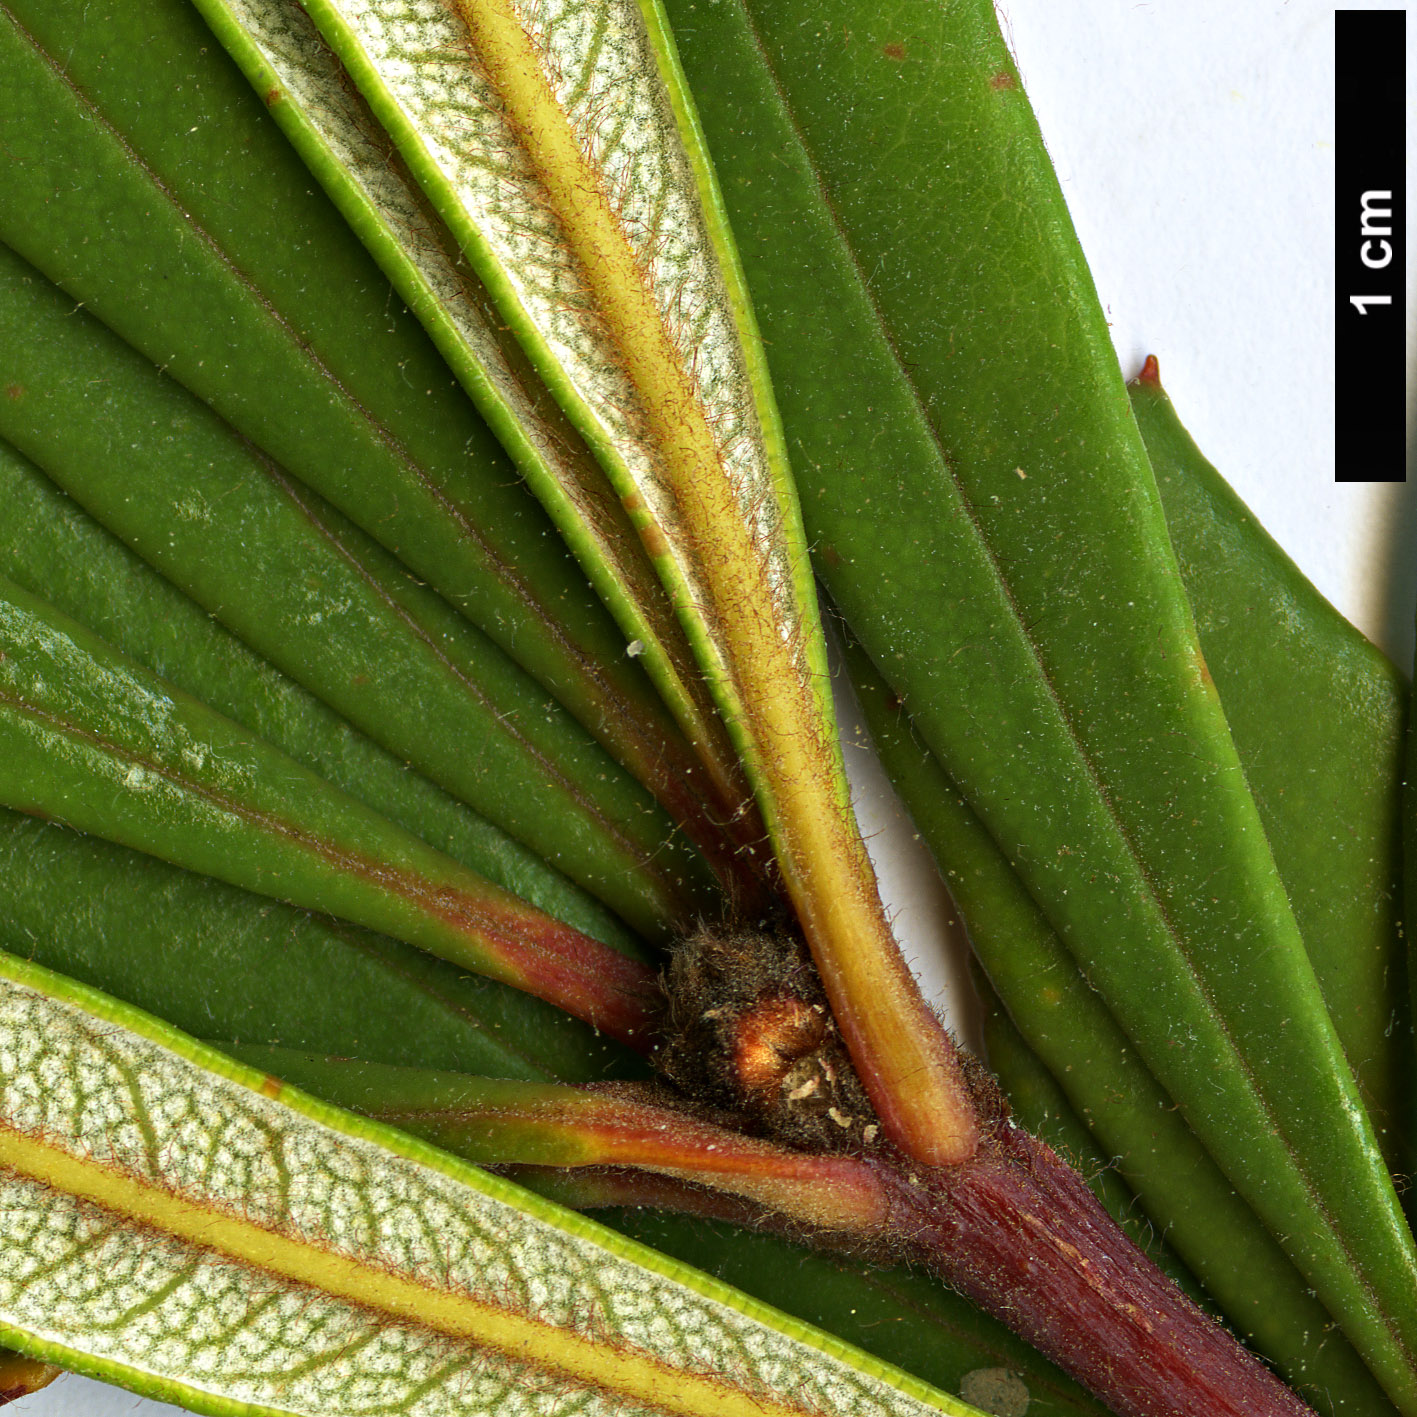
285	58
1186	1196
315	596
999	548
52	549
95	740
216	960
194	1229
1326	774
1319	716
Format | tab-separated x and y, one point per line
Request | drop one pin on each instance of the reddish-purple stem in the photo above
1018	1231
1020	1234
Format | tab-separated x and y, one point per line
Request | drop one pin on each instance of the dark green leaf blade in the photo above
1318	716
323	602
51	548
210	958
94	739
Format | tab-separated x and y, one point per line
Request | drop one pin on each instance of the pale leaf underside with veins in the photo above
372	186
604	80
232	1244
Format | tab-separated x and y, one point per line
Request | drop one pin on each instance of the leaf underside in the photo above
231	1244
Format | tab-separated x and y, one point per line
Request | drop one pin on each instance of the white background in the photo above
1194	142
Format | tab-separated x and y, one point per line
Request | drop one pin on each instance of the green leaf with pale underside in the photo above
193	1228
191	229
286	59
323	602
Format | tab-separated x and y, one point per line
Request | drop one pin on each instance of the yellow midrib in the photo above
608	1365
912	1075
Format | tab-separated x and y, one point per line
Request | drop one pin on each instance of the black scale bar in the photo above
1370	244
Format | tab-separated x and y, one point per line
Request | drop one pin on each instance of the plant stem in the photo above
1019	1232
